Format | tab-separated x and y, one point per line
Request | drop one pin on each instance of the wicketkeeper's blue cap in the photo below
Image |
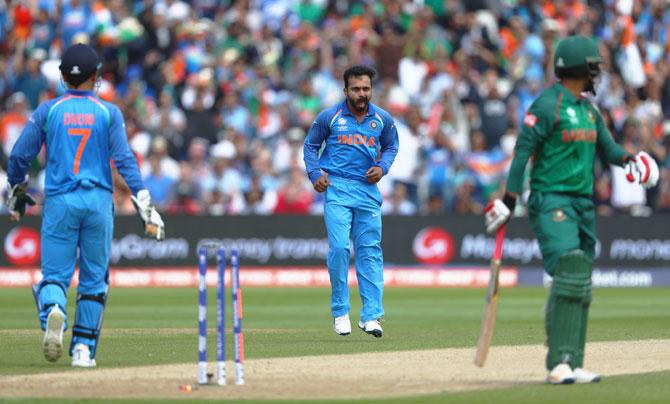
79	61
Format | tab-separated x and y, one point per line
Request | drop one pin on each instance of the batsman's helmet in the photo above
578	57
79	63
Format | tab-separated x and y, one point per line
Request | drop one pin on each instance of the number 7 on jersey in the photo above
85	133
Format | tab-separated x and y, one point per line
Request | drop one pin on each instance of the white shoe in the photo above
561	374
372	327
584	376
342	325
53	335
81	357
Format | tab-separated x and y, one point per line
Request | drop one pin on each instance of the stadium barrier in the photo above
291	250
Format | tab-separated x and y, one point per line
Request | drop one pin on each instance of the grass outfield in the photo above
158	326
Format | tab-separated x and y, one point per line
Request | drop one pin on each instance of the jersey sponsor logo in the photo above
572	115
433	245
78	119
22	246
579	135
530	120
356	139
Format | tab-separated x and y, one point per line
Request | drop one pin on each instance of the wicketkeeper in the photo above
82	135
563	132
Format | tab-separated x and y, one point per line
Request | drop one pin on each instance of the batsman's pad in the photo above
48	293
567	307
88	320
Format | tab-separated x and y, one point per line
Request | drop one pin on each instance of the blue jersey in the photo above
82	135
351	147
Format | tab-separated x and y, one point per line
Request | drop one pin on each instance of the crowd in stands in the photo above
218	95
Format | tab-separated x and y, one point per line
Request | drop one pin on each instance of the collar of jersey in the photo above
568	94
79	92
346	111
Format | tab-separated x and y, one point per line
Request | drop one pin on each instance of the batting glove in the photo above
642	169
498	212
17	199
153	224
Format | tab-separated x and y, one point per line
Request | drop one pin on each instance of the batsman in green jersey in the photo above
562	134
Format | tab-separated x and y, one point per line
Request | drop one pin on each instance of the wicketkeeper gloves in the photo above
153	224
17	199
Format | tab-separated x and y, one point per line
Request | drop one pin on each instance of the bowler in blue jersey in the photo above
361	143
82	135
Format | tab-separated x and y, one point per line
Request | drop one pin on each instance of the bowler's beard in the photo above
359	104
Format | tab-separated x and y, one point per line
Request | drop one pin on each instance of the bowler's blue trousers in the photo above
353	211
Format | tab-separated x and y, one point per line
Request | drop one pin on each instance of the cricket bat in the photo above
491	307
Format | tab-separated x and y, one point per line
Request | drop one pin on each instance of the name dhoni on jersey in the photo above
356	139
78	119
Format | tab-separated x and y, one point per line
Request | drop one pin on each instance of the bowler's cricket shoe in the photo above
342	325
53	335
561	374
584	376
81	357
372	327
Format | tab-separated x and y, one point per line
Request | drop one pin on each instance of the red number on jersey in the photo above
85	133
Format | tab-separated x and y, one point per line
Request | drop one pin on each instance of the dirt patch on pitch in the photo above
341	376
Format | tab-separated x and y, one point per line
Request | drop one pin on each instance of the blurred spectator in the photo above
399	202
435	205
186	193
223	184
168	166
31	82
193	78
492	109
259	201
158	184
295	197
405	168
289	151
169	121
12	122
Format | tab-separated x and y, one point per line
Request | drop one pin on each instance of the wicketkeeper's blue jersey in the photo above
82	135
351	147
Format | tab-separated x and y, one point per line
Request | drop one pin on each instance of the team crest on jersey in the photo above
373	125
592	117
530	120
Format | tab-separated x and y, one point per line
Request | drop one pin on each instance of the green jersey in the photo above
563	134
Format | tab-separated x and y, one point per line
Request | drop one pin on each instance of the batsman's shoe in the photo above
584	376
342	325
561	374
53	335
372	327
81	357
